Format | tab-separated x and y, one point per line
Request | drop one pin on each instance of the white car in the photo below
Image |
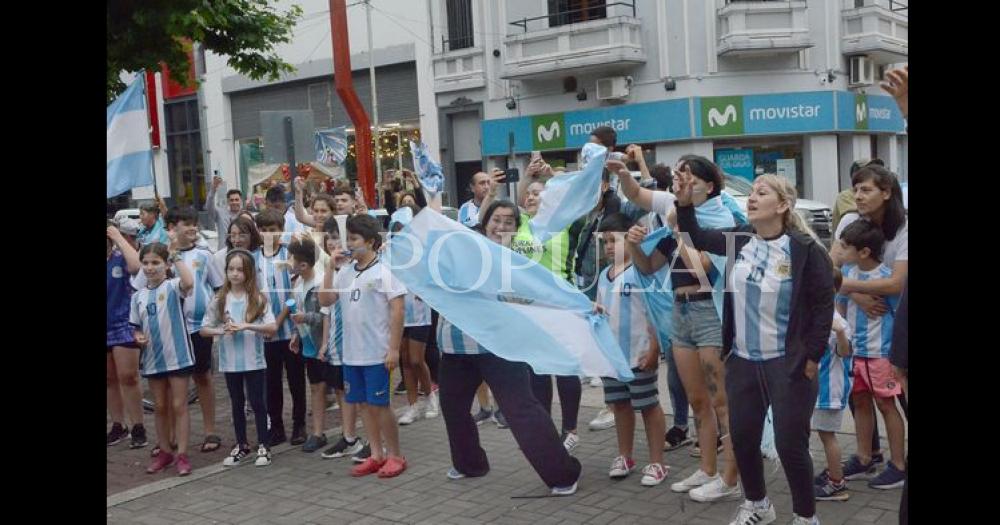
816	214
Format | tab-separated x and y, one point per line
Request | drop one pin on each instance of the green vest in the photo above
556	254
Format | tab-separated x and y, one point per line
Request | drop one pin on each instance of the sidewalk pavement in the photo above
304	488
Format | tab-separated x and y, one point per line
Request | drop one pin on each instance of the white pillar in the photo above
851	148
888	150
819	159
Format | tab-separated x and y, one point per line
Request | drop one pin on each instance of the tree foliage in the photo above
144	33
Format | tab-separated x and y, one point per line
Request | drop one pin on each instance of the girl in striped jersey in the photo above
167	359
777	315
465	364
239	316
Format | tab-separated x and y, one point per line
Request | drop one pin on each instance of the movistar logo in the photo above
721	116
718	119
860	112
549	131
547	134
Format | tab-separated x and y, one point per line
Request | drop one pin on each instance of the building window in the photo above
184	155
459	25
562	12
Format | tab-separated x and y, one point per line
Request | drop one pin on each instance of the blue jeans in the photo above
676	390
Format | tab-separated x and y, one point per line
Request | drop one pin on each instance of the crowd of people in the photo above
759	317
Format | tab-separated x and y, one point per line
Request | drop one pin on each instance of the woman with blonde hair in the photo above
777	314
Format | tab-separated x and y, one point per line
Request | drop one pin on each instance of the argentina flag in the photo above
130	156
331	145
428	170
568	197
513	308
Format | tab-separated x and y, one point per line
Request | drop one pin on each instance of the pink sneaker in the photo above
161	461
183	465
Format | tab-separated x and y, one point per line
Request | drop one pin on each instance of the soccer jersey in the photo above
335	339
308	303
119	292
416	310
622	299
872	337
364	296
206	279
762	282
834	372
158	313
451	340
276	283
468	214
242	351
554	254
158	233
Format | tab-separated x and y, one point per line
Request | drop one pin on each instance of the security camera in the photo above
669	84
581	96
511	104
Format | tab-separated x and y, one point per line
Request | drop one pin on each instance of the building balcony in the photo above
877	28
762	28
610	45
459	69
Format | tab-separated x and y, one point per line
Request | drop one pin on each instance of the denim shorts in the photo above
696	324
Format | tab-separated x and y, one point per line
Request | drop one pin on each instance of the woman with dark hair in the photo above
243	234
777	315
465	364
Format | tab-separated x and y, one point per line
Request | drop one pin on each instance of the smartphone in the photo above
513	175
536	156
617	155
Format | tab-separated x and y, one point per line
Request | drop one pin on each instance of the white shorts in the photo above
827	420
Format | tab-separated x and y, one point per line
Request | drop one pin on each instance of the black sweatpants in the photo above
254	383
570	392
460	376
751	386
279	357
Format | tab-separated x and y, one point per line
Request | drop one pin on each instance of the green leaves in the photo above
143	34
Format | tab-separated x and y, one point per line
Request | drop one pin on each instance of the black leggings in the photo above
279	357
570	391
254	381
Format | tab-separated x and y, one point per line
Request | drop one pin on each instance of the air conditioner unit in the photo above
613	88
862	71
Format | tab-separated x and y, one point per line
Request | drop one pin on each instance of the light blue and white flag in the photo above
428	170
331	145
130	156
729	202
518	313
568	197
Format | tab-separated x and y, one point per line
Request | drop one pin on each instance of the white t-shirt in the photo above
897	249
364	299
663	201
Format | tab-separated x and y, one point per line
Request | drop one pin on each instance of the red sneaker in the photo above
160	462
393	467
369	466
183	465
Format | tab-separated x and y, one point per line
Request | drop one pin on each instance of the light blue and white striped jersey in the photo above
158	313
206	279
872	337
762	282
451	340
468	214
626	311
364	300
334	339
418	313
834	372
308	343
277	285
158	233
242	351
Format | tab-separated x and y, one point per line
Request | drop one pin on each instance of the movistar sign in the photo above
549	131
721	116
860	112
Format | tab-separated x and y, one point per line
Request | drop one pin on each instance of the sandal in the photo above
211	443
156	450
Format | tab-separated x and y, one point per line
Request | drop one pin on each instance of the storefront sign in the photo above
765	114
738	162
868	112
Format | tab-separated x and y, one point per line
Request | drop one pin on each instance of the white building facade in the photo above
788	87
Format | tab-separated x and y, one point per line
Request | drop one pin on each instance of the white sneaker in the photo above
693	481
654	474
565	491
570	441
605	419
716	490
621	467
263	456
236	456
799	520
410	415
748	515
595	382
433	406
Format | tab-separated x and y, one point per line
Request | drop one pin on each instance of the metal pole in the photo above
290	153
371	76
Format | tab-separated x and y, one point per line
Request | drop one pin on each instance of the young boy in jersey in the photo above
371	302
619	292
309	331
834	388
277	353
861	245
